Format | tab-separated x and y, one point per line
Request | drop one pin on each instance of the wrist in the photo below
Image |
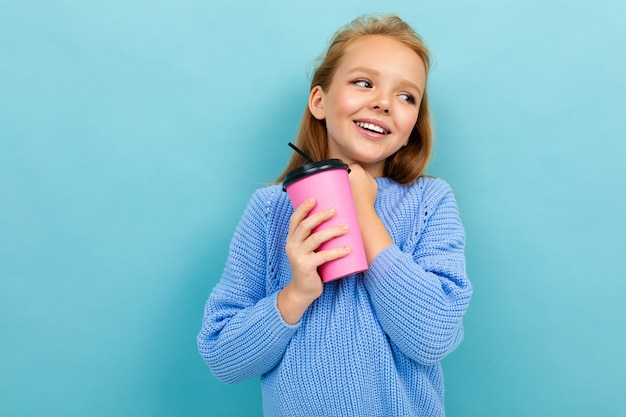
375	236
292	304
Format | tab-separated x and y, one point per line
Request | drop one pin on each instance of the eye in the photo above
362	83
408	98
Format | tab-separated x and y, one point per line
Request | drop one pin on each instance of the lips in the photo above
374	126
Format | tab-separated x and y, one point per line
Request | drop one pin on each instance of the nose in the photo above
381	103
384	109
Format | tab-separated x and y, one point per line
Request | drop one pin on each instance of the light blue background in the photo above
133	133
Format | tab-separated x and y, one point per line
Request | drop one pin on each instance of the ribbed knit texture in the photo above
372	343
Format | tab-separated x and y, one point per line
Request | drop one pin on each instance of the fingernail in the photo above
330	210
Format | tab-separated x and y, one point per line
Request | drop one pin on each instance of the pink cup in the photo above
327	181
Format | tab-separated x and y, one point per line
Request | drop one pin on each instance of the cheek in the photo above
346	104
409	120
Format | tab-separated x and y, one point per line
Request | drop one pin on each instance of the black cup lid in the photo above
313	168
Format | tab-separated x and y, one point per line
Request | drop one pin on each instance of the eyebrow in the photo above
375	72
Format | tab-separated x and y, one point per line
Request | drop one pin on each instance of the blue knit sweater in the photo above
372	343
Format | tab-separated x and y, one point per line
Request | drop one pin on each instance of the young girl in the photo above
369	344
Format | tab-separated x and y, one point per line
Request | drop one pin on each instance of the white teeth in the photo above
371	127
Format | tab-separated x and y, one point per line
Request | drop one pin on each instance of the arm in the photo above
373	231
245	331
306	285
243	334
420	295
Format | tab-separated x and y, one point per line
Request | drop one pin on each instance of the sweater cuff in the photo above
384	277
276	326
385	260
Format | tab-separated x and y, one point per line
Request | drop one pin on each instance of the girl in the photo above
369	344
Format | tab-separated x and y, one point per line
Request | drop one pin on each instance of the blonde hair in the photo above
410	161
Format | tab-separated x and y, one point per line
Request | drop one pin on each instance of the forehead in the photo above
383	52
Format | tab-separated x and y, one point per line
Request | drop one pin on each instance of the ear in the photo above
316	103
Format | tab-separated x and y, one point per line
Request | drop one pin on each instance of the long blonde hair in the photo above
410	161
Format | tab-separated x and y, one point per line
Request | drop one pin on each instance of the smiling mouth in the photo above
372	127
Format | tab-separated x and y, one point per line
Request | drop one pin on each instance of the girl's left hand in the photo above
364	188
364	191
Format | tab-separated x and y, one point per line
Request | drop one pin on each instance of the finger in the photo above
328	255
316	239
316	219
305	227
308	264
300	253
300	214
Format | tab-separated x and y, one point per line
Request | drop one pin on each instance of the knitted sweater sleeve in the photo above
243	334
421	293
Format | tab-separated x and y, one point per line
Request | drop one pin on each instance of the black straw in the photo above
305	156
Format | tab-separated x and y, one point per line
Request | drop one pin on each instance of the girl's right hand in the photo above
306	284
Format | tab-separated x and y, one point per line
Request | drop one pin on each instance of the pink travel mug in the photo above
327	181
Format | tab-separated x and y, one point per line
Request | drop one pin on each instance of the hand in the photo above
306	284
364	188
374	233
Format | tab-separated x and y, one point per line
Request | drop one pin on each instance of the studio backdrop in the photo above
132	135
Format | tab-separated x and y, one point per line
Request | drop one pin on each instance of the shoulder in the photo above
424	185
424	189
432	187
260	212
439	206
269	201
435	195
267	195
435	190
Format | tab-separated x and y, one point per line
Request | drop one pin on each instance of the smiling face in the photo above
372	104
